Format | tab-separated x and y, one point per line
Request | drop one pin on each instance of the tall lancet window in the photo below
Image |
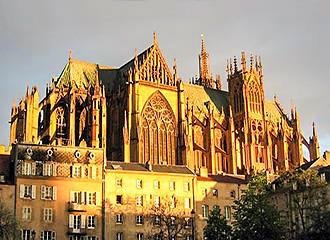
61	128
158	135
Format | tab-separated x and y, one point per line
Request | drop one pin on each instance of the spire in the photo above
204	73
243	61
135	60
155	39
70	54
314	131
218	81
174	69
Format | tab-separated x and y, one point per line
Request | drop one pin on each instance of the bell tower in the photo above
246	98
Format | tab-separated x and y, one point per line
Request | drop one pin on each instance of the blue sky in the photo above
292	38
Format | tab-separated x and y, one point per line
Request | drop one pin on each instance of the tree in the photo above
167	221
9	227
255	215
308	204
217	227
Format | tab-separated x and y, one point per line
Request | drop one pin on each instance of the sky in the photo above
292	38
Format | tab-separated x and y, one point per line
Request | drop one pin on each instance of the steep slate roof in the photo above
143	168
81	74
224	179
199	95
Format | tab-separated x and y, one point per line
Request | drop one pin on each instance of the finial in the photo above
135	59
155	39
231	66
174	68
203	43
251	62
260	66
235	63
227	68
243	62
70	54
314	130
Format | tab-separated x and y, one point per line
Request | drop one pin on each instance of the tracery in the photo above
158	131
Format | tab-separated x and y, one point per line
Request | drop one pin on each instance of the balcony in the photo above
76	207
77	231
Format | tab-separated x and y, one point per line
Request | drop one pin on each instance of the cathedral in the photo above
142	112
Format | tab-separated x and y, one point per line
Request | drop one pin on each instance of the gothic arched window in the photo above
158	135
61	130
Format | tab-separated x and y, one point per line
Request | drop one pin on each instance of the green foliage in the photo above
9	227
217	227
255	215
309	204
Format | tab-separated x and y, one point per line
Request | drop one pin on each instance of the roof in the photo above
198	95
224	179
273	111
139	167
63	154
316	164
80	73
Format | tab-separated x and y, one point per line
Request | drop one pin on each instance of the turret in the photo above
314	147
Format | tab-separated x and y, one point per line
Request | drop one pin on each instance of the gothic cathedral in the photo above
143	112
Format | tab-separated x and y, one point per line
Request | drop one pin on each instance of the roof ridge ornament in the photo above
155	39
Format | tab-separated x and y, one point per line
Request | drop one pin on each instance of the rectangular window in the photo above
91	198
26	234
156	184
139	236
233	194
47	235
173	202
227	211
139	220
205	211
139	201
27	191
47	169
156	201
91	222
119	199
138	184
27	213
188	222
77	171
119	182
119	218
215	192
186	187
92	238
48	214
157	220
76	221
48	192
119	236
187	202
172	185
29	168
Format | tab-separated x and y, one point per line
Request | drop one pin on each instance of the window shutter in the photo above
83	197
23	173
54	192
33	168
98	199
54	169
95	220
42	235
45	212
44	169
33	191
42	192
70	220
21	190
53	235
83	221
93	172
71	196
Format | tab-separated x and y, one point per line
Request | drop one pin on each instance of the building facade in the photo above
80	152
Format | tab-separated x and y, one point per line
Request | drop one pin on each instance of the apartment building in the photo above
58	192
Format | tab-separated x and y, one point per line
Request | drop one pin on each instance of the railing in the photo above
76	207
